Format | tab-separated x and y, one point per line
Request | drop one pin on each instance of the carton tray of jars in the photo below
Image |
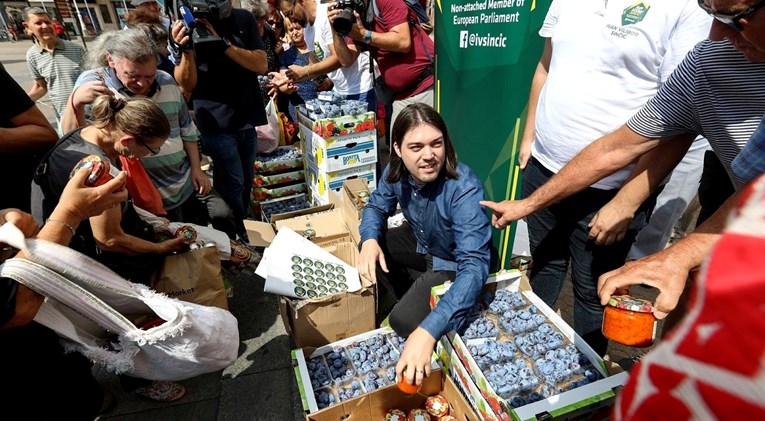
348	369
526	361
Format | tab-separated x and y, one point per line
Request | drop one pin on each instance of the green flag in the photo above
486	54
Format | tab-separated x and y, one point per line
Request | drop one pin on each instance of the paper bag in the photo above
193	276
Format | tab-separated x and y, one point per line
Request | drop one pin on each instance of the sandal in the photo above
162	391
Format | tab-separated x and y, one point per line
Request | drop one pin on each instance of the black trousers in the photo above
715	187
410	276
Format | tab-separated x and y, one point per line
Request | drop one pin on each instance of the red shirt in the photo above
401	70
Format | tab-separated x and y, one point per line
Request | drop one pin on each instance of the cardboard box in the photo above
336	127
259	194
326	221
326	185
339	153
373	405
570	404
282	205
279	165
453	368
266	180
322	320
347	201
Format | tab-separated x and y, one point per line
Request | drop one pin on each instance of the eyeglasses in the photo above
151	150
730	19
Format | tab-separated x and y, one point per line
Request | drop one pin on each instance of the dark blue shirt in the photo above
227	96
450	225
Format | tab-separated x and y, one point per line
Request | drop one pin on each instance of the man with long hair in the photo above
446	236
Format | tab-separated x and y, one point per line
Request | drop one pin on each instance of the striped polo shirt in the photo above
170	170
59	69
714	92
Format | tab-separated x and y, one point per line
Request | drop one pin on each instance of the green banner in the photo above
486	54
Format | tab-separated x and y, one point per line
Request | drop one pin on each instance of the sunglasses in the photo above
152	151
730	19
275	24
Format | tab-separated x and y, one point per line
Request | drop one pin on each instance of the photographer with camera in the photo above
352	80
221	54
389	29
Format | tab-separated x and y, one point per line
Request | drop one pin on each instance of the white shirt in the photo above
606	63
351	80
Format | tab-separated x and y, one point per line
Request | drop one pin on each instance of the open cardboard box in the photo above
325	185
318	321
347	204
453	367
374	405
327	222
567	405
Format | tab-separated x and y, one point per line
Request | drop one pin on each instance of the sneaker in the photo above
162	391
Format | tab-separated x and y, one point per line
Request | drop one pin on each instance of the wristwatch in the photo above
227	42
368	37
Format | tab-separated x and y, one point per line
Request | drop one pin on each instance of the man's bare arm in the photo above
38	90
31	132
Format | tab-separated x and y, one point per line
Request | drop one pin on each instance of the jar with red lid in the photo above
629	321
99	170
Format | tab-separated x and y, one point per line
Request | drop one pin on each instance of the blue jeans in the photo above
558	234
233	154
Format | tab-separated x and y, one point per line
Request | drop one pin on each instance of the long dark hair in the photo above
412	116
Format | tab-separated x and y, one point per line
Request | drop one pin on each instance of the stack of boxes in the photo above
279	183
336	149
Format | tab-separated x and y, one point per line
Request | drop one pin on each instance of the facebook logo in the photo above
463	39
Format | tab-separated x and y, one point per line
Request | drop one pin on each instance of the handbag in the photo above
193	276
142	190
269	134
96	312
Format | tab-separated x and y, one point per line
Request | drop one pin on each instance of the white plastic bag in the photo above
92	309
268	134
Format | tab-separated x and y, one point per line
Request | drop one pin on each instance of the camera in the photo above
345	20
205	44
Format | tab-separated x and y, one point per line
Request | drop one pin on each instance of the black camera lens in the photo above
343	22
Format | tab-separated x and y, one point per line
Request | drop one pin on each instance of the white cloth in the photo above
670	205
352	80
604	68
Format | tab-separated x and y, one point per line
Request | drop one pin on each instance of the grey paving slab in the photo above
261	396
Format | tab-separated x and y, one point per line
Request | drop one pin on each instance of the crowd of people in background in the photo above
607	123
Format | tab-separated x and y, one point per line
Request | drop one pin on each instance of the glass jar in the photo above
629	321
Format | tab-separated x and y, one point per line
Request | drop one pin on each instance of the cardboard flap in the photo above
327	224
261	233
288	215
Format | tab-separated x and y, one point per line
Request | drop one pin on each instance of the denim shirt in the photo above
450	225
